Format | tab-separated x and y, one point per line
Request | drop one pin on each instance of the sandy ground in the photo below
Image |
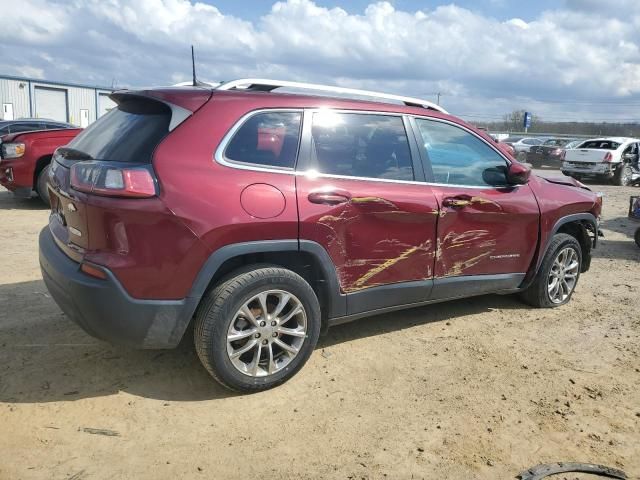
480	388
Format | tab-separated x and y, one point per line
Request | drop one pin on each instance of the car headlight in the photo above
12	150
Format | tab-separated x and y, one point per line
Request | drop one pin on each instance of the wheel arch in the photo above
578	225
306	258
41	163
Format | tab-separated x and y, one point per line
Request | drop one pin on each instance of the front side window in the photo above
361	145
459	158
268	139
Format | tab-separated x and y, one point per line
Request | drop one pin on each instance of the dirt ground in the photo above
480	388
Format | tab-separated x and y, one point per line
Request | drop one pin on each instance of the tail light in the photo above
114	180
557	151
13	150
608	157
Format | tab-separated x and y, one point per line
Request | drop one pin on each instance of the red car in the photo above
25	159
263	218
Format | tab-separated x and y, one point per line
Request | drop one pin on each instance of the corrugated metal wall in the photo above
15	92
79	98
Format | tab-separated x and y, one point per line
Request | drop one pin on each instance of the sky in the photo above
562	60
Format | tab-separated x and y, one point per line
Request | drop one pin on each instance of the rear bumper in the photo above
105	310
607	169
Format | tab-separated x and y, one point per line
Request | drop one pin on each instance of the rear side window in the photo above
458	157
361	145
268	139
128	133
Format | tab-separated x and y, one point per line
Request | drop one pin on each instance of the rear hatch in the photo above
123	140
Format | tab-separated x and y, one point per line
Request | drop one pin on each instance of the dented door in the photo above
376	233
485	231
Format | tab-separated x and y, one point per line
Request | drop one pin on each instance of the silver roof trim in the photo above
268	85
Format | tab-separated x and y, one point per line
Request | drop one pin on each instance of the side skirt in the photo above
400	296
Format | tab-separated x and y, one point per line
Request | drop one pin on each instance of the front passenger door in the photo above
487	230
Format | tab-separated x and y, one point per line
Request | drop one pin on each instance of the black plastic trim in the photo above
576	217
104	309
385	296
401	296
336	303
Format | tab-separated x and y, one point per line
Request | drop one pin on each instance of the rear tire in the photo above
273	347
41	186
521	157
558	276
622	177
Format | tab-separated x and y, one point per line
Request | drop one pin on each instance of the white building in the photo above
65	102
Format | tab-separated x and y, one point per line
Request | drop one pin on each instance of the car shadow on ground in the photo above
44	357
8	201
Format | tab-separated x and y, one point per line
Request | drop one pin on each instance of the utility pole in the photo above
438	94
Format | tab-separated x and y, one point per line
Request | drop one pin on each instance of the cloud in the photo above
576	61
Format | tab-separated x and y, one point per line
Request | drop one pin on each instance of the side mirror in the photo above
518	174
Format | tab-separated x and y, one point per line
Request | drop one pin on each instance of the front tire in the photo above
255	330
41	186
558	275
521	157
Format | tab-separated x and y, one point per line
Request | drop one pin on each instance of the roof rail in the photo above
266	85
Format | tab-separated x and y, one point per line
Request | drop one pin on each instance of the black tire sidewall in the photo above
41	186
559	242
222	315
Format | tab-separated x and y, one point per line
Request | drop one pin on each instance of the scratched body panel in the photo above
490	235
385	233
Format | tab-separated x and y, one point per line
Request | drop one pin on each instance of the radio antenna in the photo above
193	67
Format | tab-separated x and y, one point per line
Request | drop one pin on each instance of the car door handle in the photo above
457	202
329	197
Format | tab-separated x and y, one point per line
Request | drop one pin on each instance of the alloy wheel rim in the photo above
266	333
563	275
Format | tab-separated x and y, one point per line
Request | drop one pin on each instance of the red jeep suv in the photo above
263	218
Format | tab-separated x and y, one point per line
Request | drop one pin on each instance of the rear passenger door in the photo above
361	196
487	230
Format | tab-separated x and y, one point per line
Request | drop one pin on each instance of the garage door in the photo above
104	104
51	103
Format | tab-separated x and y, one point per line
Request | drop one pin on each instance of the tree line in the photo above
513	122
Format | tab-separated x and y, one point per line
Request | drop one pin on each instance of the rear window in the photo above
128	133
600	145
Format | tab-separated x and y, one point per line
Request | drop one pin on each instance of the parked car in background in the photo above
293	213
505	147
522	145
25	159
611	158
550	151
29	124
